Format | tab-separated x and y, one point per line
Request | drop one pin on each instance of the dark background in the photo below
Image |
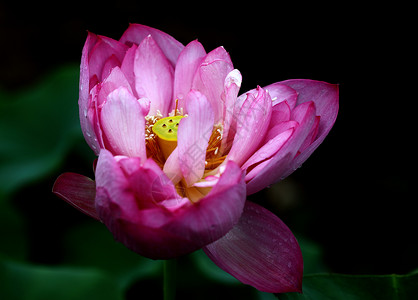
355	193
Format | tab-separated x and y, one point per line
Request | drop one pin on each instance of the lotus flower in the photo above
179	151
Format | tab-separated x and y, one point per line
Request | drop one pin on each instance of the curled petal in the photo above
165	230
77	190
229	97
260	251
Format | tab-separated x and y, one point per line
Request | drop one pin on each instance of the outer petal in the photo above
326	99
214	215
136	33
84	92
280	165
186	67
161	232
260	251
77	190
153	76
123	124
193	136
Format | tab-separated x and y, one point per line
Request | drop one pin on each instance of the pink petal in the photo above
172	167
123	124
260	251
77	190
279	128
84	95
210	78
193	136
280	113
114	80
186	67
136	33
253	121
281	164
326	99
153	76
109	64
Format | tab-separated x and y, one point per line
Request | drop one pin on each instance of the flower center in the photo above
166	131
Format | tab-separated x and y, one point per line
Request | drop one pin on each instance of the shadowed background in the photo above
352	199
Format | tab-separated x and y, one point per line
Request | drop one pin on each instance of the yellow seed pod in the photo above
166	128
166	131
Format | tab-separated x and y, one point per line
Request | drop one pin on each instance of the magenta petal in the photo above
214	215
77	190
163	232
84	92
260	251
136	33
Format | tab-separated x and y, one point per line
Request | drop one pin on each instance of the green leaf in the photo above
37	127
92	245
29	282
356	287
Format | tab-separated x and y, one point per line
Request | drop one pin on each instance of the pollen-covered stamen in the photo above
153	149
214	157
165	130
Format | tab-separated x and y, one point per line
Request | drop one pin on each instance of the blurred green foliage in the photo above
40	131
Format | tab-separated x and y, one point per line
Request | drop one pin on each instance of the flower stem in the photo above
170	279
